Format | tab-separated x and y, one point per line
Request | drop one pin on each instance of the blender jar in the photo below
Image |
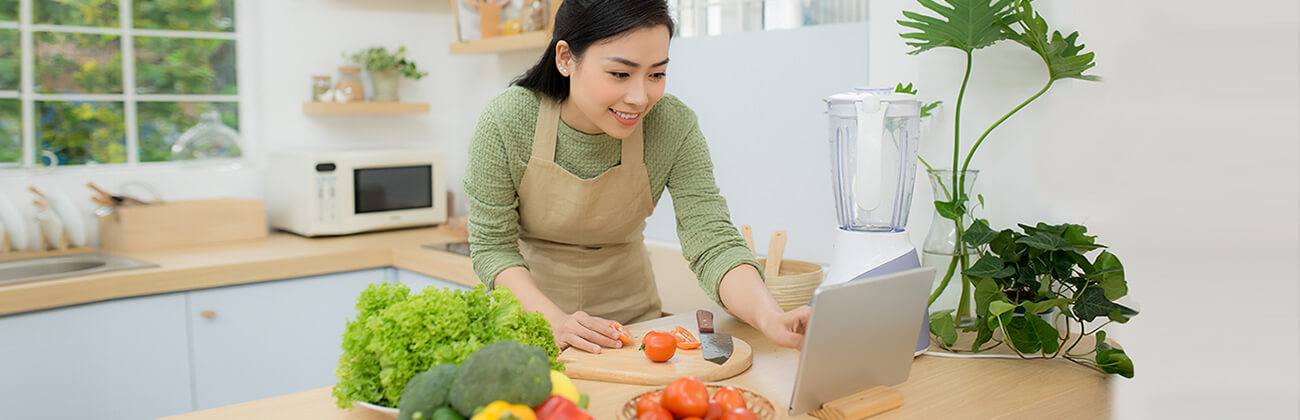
874	135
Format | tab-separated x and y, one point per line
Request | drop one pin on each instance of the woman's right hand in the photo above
586	333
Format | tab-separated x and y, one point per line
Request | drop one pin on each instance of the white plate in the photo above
71	218
13	222
390	412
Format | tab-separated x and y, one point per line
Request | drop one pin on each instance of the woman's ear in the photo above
564	58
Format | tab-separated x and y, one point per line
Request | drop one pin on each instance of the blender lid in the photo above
901	104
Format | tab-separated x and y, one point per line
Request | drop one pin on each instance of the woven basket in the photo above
757	404
795	284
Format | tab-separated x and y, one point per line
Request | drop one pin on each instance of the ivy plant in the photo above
967	26
1042	272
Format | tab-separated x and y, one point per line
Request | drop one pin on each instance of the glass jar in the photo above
320	86
349	88
940	249
209	139
533	15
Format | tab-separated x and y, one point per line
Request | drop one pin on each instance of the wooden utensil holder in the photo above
182	223
861	405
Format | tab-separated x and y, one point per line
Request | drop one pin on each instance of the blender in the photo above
874	138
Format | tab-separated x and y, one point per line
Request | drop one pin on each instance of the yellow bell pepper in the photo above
501	410
561	385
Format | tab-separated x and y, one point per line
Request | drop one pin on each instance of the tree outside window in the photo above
83	96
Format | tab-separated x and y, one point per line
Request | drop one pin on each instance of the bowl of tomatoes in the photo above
689	398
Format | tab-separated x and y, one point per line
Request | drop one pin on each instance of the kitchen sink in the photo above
65	266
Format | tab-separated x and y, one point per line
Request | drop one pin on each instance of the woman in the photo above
566	165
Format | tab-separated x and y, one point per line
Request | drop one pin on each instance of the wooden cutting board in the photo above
630	366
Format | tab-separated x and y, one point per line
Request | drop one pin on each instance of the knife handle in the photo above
705	320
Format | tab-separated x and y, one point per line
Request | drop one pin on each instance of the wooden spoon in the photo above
775	248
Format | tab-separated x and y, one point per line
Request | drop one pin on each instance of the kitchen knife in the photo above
716	346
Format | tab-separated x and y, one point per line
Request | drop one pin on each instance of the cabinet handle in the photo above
209	314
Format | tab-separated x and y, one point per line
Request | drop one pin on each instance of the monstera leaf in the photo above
1063	57
969	24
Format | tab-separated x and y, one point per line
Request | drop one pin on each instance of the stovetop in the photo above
461	248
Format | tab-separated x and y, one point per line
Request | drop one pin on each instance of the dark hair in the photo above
582	23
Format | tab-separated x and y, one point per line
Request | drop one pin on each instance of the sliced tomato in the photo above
623	334
686	340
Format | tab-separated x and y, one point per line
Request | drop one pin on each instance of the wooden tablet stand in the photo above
861	405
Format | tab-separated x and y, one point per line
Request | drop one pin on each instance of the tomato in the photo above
729	398
715	411
650	402
623	335
659	346
687	397
686	340
738	413
659	413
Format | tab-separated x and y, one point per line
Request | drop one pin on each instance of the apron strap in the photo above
548	124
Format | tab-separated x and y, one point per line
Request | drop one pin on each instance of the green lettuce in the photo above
397	335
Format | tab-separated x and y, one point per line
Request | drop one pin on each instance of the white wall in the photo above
759	100
1184	161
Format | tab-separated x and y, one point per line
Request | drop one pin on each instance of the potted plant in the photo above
386	70
1009	278
968	25
1034	286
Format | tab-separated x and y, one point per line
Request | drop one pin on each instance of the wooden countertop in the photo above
284	256
938	387
279	256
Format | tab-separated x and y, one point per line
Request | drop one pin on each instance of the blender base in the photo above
859	255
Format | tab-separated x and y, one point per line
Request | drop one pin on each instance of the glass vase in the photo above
940	249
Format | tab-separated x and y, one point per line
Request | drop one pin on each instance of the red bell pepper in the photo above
560	408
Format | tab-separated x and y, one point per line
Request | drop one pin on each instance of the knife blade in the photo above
715	346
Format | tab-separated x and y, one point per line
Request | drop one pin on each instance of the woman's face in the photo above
616	82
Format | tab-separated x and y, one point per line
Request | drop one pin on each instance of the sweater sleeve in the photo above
710	242
493	202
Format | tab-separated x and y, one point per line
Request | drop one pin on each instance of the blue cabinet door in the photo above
418	282
121	359
267	339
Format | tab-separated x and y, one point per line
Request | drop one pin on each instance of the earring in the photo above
564	71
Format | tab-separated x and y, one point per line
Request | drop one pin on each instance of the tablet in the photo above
861	334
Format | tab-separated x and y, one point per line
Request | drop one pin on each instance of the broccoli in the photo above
505	371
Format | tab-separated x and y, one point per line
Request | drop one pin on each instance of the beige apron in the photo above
582	238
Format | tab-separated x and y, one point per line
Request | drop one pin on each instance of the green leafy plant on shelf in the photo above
377	59
1043	273
1044	268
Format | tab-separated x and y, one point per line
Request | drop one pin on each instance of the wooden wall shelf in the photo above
369	108
537	40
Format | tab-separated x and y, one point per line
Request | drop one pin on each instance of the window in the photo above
714	17
113	81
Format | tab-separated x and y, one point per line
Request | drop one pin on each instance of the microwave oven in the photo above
339	193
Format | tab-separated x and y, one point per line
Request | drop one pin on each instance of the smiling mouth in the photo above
625	118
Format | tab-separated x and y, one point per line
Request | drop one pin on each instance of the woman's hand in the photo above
786	329
586	333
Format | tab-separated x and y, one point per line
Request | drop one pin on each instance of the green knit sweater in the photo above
676	158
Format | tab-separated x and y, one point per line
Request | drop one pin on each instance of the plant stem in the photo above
1100	327
970	155
956	127
952	265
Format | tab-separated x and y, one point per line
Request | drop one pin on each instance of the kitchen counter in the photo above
939	387
279	256
284	255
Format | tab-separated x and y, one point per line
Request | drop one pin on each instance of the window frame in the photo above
130	100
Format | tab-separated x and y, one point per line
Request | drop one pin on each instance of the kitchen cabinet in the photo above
261	340
121	359
418	282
